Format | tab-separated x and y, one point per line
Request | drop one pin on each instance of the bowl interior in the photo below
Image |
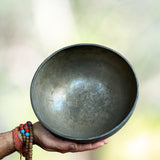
83	91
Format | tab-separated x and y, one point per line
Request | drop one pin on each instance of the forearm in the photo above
6	144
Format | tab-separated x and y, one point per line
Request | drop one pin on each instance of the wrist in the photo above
35	134
19	136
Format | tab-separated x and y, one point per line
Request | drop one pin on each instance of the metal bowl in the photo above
84	92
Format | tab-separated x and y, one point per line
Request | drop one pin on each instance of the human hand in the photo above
49	142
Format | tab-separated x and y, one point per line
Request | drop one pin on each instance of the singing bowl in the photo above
84	92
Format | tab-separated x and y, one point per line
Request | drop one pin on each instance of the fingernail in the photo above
106	141
101	144
72	146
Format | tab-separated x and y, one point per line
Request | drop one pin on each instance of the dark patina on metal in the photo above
84	92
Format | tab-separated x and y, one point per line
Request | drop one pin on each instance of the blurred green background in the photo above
32	30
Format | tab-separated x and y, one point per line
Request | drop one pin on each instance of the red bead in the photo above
26	130
21	128
21	125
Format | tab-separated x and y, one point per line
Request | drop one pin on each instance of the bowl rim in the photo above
94	138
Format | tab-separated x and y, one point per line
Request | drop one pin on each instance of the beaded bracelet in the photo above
26	131
17	142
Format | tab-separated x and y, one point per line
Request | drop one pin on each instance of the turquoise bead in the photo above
22	131
27	134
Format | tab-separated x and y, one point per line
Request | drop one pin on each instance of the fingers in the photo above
90	146
67	146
